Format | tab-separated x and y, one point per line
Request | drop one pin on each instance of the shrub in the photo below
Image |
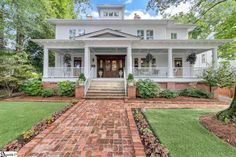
193	92
32	87
82	77
66	88
47	92
148	89
130	77
166	93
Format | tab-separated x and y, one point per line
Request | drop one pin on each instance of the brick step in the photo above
107	90
105	94
105	87
104	97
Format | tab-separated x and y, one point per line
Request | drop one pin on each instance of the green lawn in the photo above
184	136
17	117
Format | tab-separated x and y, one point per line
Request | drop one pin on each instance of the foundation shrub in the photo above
193	92
66	88
166	93
148	89
47	92
32	87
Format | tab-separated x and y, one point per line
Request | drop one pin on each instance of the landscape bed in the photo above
152	145
182	133
26	120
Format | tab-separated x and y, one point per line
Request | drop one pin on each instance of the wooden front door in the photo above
110	66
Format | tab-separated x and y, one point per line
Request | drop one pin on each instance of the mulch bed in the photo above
227	132
27	136
39	98
152	145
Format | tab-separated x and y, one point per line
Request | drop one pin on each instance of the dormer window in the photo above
116	14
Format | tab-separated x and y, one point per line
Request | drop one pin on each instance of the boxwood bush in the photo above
193	92
167	93
148	89
32	87
66	88
47	92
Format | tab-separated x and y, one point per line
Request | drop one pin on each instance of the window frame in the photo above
142	33
149	34
72	33
173	36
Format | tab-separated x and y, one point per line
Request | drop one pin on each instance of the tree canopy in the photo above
215	16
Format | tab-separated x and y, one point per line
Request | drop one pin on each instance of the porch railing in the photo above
88	80
64	72
162	72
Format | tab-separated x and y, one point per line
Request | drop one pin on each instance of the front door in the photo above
178	70
110	66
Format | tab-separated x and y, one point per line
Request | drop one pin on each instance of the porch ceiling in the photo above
67	50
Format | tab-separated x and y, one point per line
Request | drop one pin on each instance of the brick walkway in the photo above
96	128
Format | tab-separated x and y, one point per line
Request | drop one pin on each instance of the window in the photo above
173	35
203	58
140	33
72	33
144	62
154	62
110	14
149	34
105	14
136	62
116	14
81	32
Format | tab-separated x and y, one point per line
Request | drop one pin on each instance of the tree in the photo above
14	69
222	76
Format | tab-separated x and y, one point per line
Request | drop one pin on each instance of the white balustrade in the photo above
64	72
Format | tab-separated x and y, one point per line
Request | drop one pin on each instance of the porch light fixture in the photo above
149	57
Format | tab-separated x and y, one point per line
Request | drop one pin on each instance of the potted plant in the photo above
100	72
131	80
81	79
191	59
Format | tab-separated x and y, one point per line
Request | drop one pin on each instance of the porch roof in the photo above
111	42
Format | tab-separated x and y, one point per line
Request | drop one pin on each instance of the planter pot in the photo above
131	92
100	73
79	92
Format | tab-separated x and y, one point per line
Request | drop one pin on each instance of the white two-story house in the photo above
111	47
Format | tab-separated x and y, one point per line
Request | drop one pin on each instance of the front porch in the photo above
111	62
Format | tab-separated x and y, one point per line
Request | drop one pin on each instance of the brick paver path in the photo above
96	128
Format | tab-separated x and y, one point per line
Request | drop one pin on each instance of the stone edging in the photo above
137	144
29	146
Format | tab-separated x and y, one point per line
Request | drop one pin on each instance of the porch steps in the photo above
106	89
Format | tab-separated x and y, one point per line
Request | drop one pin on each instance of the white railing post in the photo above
170	63
45	62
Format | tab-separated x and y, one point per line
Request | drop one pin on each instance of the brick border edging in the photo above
29	146
137	144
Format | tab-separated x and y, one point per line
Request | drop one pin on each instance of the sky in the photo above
139	7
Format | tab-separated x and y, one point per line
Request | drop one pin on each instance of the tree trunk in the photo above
233	103
2	27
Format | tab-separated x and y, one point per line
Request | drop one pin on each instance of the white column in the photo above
45	62
129	60
86	61
214	57
170	63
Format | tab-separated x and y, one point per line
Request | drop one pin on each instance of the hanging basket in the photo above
149	57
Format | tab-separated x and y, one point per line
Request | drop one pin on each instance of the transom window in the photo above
173	35
140	33
149	34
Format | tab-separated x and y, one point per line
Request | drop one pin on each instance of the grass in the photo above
184	136
17	117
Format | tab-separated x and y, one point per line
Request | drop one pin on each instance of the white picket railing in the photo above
162	72
64	72
88	80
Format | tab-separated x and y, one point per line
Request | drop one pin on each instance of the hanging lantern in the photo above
149	57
